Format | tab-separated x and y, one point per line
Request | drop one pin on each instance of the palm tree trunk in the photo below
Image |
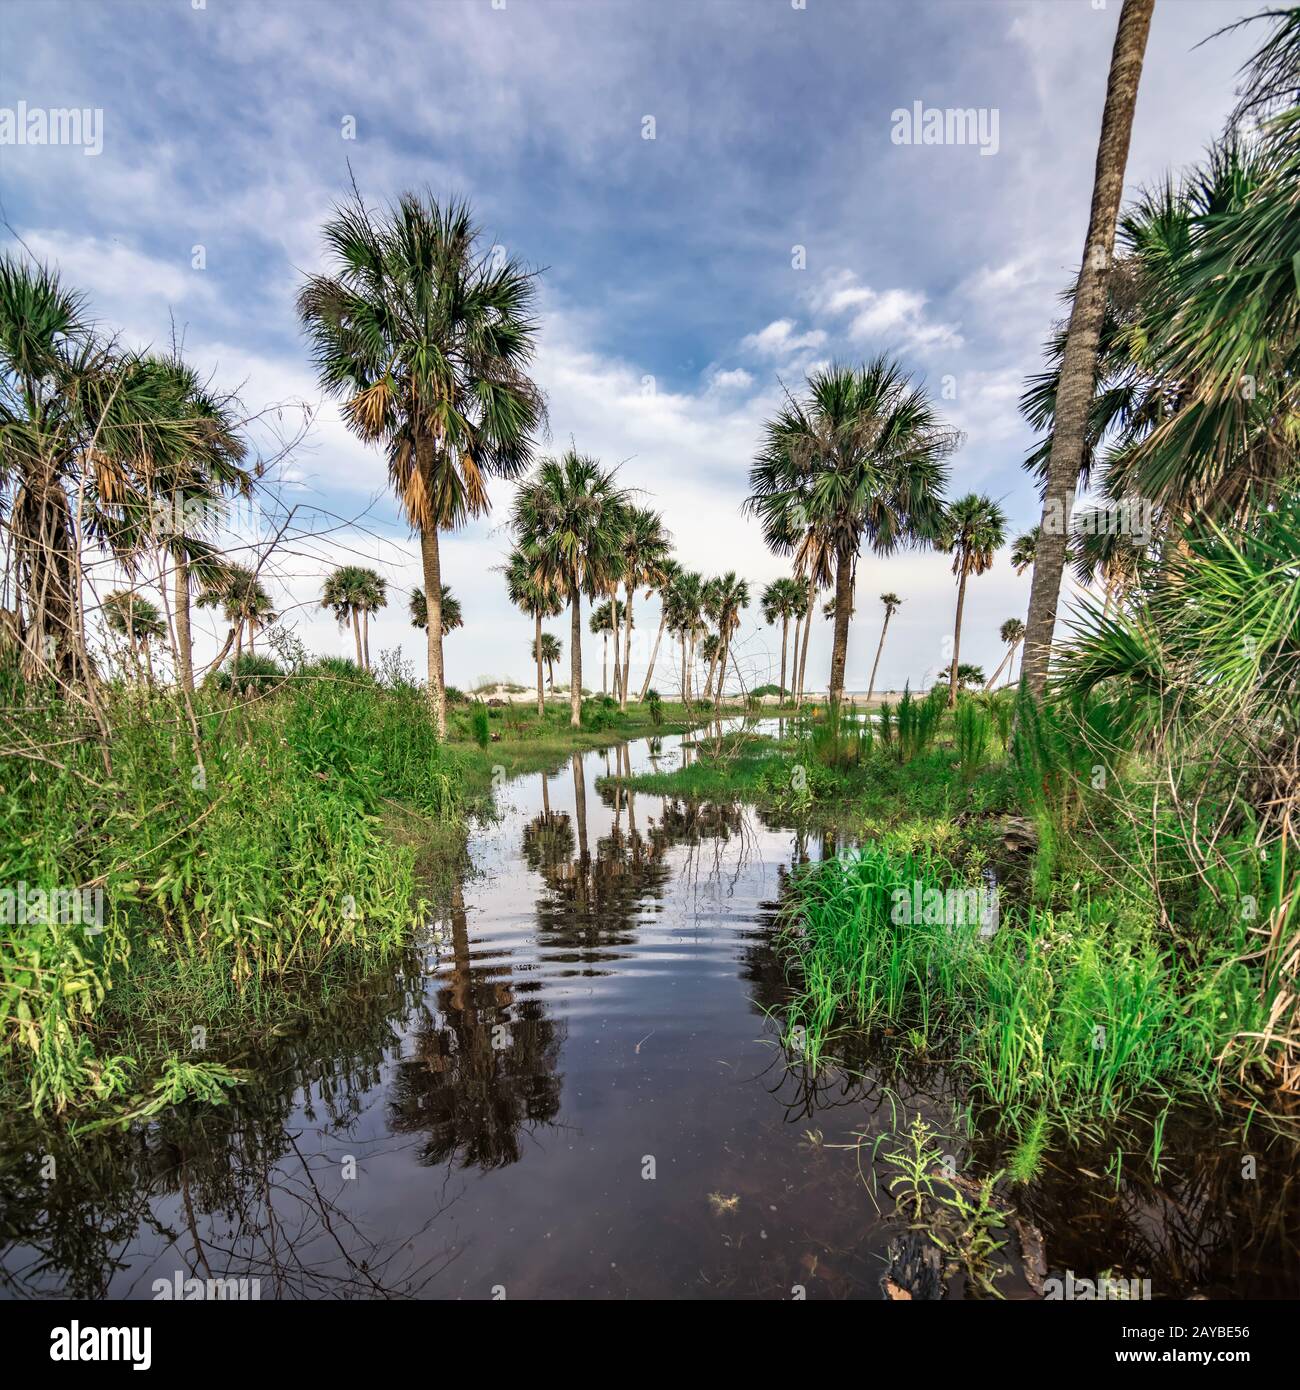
433	605
993	678
239	644
880	647
575	659
785	637
604	665
181	617
1079	363
807	629
537	652
224	652
627	648
843	611
365	635
654	656
794	660
956	638
356	632
686	687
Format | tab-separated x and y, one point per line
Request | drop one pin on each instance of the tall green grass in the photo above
1058	1019
266	862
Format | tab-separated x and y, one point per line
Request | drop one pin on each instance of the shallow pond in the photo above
573	1086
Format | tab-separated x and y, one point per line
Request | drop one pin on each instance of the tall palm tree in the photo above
604	621
685	600
202	461
728	597
891	603
350	591
428	342
669	569
244	603
782	600
646	549
1012	632
572	510
1079	361
974	529
534	590
551	650
137	619
861	458
449	607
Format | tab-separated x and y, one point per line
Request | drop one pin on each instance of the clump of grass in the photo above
1057	1018
257	868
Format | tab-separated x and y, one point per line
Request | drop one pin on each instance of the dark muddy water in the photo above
574	1087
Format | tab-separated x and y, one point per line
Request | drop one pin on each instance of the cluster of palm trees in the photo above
126	453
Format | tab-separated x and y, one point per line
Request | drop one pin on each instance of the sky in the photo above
686	281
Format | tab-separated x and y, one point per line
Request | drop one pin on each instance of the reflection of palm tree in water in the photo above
485	1064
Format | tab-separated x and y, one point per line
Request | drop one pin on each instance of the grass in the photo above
1060	1020
232	881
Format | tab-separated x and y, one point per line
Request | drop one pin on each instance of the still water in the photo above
574	1087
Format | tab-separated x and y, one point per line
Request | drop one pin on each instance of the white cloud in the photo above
779	339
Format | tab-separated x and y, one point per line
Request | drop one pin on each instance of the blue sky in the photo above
672	314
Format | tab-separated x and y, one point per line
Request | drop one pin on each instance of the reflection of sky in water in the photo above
591	1006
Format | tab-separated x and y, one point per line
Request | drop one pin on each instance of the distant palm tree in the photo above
532	588
711	649
669	569
245	604
428	342
353	593
782	600
726	598
646	549
605	621
551	649
974	528
1074	393
1023	550
685	600
572	511
891	603
1012	633
137	619
860	458
450	607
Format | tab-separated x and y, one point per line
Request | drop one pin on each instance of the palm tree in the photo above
449	606
685	601
604	620
572	511
1079	360
646	549
427	341
782	600
538	597
859	458
1012	633
1023	550
669	569
727	596
891	602
351	591
137	619
974	529
551	650
244	603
